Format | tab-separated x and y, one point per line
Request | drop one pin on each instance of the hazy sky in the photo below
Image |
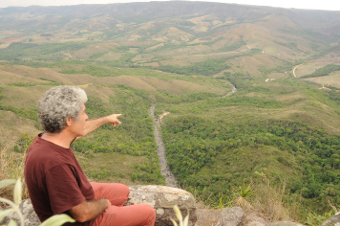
298	4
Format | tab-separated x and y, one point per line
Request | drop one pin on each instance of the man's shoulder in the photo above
43	154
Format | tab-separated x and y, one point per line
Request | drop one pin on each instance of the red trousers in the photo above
117	214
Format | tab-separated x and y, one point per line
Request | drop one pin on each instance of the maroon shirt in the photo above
54	179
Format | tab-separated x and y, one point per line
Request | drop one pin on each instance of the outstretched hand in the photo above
113	119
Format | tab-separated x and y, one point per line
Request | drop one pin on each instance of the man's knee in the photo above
150	211
152	215
127	189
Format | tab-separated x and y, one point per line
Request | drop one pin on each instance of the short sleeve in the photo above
63	190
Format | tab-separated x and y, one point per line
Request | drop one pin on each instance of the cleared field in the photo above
132	81
250	64
3	46
171	34
333	79
309	68
88	51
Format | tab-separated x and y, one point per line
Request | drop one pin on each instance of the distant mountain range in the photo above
320	21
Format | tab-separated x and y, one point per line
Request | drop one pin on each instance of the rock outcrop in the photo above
231	216
253	218
208	217
30	217
285	223
332	221
161	198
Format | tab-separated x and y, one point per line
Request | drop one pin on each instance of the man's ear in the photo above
69	121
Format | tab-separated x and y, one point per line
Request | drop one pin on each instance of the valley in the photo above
251	95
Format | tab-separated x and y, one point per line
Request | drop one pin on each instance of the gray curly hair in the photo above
57	104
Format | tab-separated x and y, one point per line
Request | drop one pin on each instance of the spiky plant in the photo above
55	220
180	218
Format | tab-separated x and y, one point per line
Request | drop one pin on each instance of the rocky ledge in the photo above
163	199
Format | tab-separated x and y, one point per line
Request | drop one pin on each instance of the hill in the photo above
186	57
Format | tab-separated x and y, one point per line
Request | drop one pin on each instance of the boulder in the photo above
30	217
253	218
332	221
163	199
285	223
231	216
208	217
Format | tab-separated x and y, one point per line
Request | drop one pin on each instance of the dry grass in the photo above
23	97
12	167
12	126
271	201
101	92
333	79
35	73
132	81
309	68
88	51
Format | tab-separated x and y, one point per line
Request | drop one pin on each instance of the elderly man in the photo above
54	178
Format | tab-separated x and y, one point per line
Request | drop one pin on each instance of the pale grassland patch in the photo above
23	97
253	94
146	26
4	46
134	43
110	56
12	126
163	85
199	29
199	19
278	75
309	68
101	92
48	73
154	47
250	65
132	81
333	79
8	77
271	201
88	51
173	33
188	85
11	166
333	57
184	60
289	98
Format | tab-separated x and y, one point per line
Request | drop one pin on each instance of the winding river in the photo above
169	177
165	170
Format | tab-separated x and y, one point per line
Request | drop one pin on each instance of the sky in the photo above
333	5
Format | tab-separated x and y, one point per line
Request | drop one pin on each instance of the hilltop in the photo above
186	57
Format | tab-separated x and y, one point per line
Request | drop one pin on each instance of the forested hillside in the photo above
246	94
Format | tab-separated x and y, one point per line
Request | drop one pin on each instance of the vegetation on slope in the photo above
323	71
